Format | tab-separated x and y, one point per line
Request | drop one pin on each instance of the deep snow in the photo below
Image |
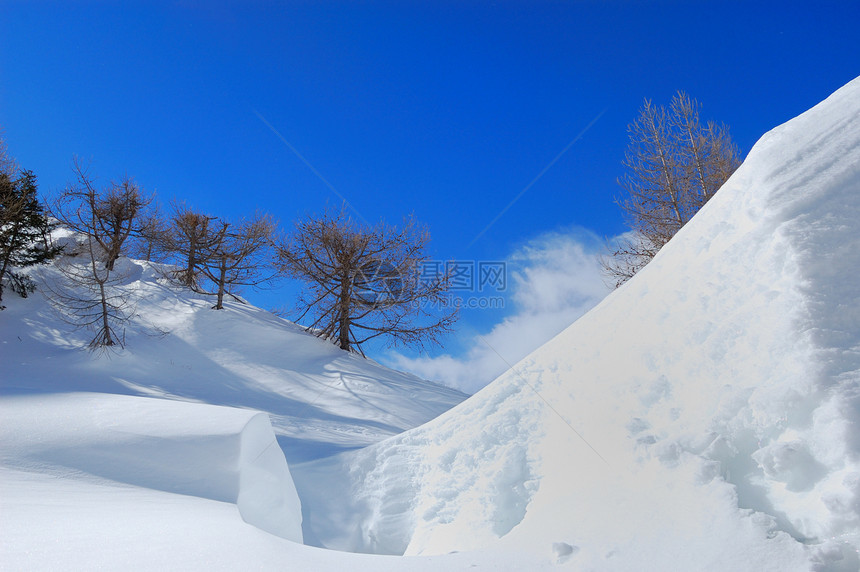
702	417
180	440
208	452
705	415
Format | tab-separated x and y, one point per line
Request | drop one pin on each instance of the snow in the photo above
702	417
320	400
101	441
192	424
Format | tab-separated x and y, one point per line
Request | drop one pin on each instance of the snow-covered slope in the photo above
175	439
320	399
704	416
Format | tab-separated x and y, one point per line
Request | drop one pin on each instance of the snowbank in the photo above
216	453
705	415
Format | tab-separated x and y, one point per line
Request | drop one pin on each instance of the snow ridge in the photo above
418	490
720	385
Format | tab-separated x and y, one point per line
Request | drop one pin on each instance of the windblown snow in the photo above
703	416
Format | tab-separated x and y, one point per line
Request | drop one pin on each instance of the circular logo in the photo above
378	283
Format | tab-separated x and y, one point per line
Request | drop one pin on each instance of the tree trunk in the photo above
222	280
106	339
343	309
7	254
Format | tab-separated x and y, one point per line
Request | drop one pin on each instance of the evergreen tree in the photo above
24	230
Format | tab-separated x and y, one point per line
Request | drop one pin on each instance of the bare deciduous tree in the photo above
242	257
674	164
89	296
193	237
362	283
151	242
108	217
8	165
104	220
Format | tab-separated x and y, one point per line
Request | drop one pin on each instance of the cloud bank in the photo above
552	280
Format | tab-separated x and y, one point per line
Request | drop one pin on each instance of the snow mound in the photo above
320	399
216	453
703	416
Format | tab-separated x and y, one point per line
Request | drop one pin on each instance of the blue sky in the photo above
448	110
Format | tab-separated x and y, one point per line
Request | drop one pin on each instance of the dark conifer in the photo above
24	231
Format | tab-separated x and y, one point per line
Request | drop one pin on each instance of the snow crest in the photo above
216	453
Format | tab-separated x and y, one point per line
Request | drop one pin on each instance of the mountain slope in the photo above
159	453
320	399
705	415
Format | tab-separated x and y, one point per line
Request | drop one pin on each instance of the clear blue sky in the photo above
445	109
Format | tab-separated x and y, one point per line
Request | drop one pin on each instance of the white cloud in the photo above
552	280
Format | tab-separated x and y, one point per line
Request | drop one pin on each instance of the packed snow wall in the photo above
218	453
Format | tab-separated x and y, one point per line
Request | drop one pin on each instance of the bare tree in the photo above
90	296
362	283
193	237
241	258
151	242
674	165
708	157
8	165
108	217
103	220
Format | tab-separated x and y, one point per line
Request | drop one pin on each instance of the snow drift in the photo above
320	400
218	453
703	416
